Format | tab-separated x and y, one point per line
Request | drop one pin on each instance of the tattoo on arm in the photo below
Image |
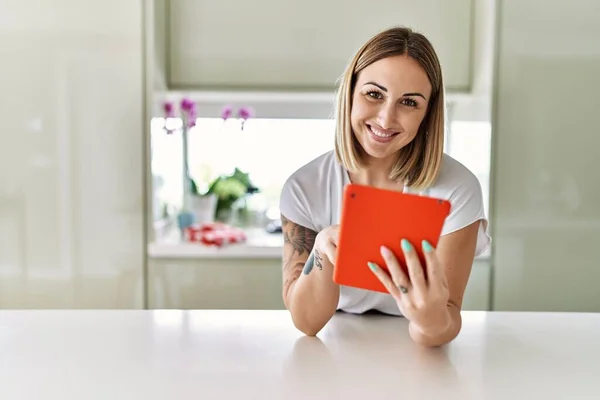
310	263
301	240
314	260
292	273
318	260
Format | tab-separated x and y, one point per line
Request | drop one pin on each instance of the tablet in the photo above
372	217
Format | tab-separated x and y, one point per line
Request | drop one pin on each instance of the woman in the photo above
389	134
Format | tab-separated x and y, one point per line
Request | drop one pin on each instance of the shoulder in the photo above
314	169
457	184
454	179
303	192
314	174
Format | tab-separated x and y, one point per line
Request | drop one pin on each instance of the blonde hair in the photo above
419	161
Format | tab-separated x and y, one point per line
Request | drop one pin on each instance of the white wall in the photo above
71	154
475	105
158	51
546	197
292	45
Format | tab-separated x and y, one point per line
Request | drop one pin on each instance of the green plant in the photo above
229	189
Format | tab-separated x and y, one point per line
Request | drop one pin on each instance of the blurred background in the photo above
144	143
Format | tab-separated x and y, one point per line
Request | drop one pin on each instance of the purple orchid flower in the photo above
187	105
189	109
169	109
227	112
245	112
191	120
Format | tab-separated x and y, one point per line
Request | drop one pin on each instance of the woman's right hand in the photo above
326	244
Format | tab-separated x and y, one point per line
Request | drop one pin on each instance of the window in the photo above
469	142
270	149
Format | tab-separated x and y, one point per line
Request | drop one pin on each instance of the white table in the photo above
259	355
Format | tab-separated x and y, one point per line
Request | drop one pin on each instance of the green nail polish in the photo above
372	265
427	247
406	246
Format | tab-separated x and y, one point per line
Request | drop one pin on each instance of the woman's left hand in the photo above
422	296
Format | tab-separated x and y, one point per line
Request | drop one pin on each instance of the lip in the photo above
380	139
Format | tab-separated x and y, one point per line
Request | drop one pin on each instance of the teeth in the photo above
379	133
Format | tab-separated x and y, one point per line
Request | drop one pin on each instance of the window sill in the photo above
260	244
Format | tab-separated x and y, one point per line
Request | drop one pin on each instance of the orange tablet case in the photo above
373	217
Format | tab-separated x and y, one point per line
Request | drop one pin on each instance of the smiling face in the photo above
389	102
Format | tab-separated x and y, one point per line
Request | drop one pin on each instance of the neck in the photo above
377	174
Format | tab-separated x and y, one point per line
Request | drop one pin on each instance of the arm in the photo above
455	252
309	292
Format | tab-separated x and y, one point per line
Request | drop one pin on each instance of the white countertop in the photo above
174	354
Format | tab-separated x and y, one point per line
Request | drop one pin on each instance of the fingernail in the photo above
385	251
427	247
372	265
406	246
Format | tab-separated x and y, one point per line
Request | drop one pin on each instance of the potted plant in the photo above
224	191
195	207
229	190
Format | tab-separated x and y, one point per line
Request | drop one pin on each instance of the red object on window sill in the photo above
214	234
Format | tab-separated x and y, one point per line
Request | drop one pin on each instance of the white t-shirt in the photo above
312	197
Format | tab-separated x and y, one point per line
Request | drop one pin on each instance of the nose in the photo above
387	117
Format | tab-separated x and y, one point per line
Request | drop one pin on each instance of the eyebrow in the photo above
405	94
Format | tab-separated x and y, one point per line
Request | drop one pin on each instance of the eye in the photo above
409	102
374	94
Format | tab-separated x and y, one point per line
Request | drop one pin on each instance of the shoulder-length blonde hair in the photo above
418	162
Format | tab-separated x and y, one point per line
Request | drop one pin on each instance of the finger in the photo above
399	278
435	272
415	269
386	279
330	252
335	235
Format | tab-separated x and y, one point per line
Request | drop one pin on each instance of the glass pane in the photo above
268	149
272	149
469	143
